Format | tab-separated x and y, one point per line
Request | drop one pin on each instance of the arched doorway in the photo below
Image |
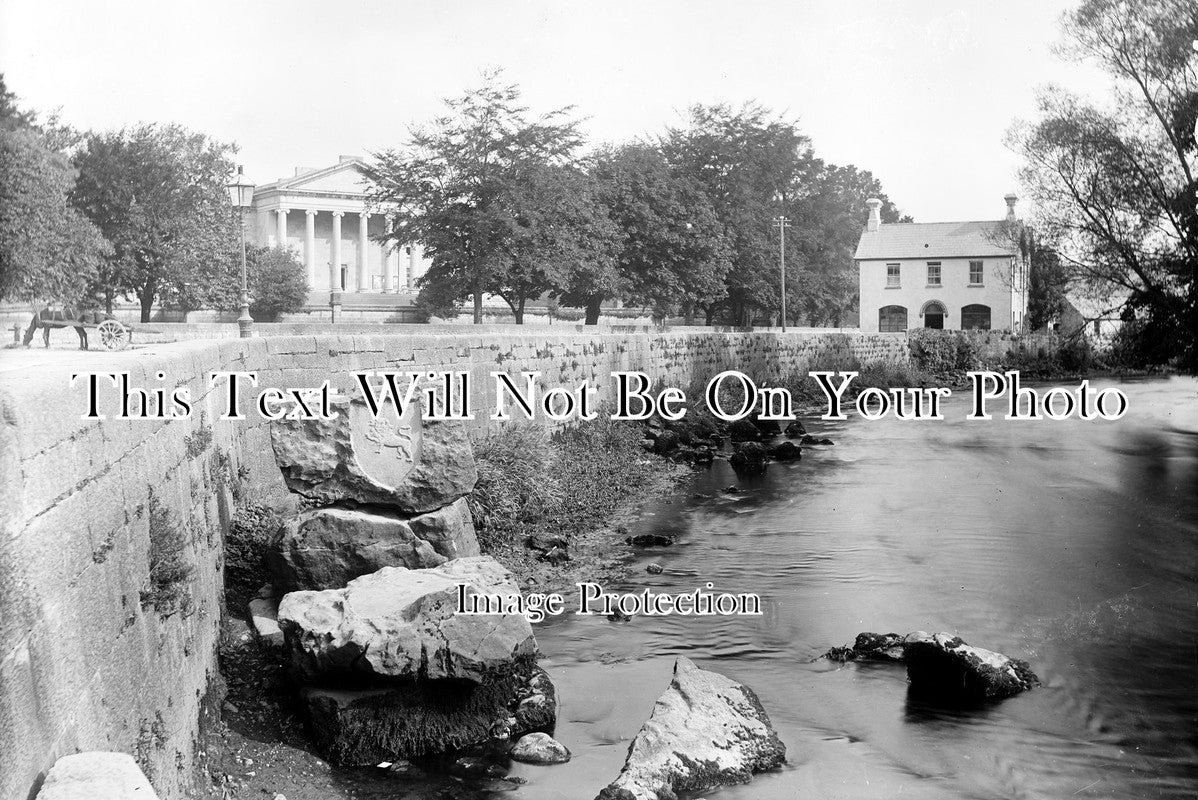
975	317
933	313
892	319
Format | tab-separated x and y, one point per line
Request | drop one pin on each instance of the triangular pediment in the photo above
348	177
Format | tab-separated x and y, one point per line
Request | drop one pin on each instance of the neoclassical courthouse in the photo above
323	215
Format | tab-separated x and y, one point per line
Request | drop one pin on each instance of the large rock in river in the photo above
944	667
706	731
409	464
402	623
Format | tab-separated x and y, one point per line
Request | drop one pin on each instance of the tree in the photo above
827	206
460	185
158	194
672	251
277	281
563	241
1115	186
48	250
1046	286
743	159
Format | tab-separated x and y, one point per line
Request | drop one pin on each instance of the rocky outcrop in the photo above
705	731
96	776
411	465
540	748
400	623
944	667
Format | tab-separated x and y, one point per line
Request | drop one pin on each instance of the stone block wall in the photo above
88	661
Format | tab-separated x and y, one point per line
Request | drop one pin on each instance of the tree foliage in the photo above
464	187
504	205
1115	184
672	254
158	194
48	251
277	281
746	160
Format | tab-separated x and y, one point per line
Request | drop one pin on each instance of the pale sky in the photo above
918	92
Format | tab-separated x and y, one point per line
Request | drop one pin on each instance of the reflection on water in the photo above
1071	544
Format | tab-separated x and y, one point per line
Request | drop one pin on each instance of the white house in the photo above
324	216
954	275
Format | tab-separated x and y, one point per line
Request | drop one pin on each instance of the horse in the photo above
49	318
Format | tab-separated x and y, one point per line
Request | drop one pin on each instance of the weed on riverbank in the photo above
578	485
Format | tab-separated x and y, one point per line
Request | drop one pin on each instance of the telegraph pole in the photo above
783	224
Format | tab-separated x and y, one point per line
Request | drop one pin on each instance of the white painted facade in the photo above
939	275
323	215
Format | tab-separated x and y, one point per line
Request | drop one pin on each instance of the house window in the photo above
975	318
892	319
933	273
975	273
892	275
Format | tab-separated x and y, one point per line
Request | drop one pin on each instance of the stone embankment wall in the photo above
101	650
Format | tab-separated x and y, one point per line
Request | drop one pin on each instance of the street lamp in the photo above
241	194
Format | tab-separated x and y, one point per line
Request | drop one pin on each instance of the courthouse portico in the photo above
323	215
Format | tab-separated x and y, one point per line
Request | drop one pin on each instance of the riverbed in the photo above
1070	544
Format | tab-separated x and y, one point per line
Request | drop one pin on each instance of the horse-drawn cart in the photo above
114	334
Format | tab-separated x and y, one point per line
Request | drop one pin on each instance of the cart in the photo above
114	334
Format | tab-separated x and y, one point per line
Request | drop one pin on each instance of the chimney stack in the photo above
1010	198
875	214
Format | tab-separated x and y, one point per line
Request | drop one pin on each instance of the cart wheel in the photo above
113	334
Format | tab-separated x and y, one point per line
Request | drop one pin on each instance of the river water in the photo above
1069	544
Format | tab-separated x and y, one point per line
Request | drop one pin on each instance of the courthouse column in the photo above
389	262
363	251
281	232
411	265
310	247
335	260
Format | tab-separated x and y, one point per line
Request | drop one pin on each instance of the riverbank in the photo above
579	488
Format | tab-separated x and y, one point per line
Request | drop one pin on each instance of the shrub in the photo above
566	482
169	570
278	282
517	485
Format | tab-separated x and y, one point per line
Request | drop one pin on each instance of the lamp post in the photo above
783	224
241	194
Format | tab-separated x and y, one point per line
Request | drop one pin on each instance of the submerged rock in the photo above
401	623
742	430
944	667
786	451
650	540
811	440
412	465
540	748
877	647
795	429
328	547
749	457
537	706
705	731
